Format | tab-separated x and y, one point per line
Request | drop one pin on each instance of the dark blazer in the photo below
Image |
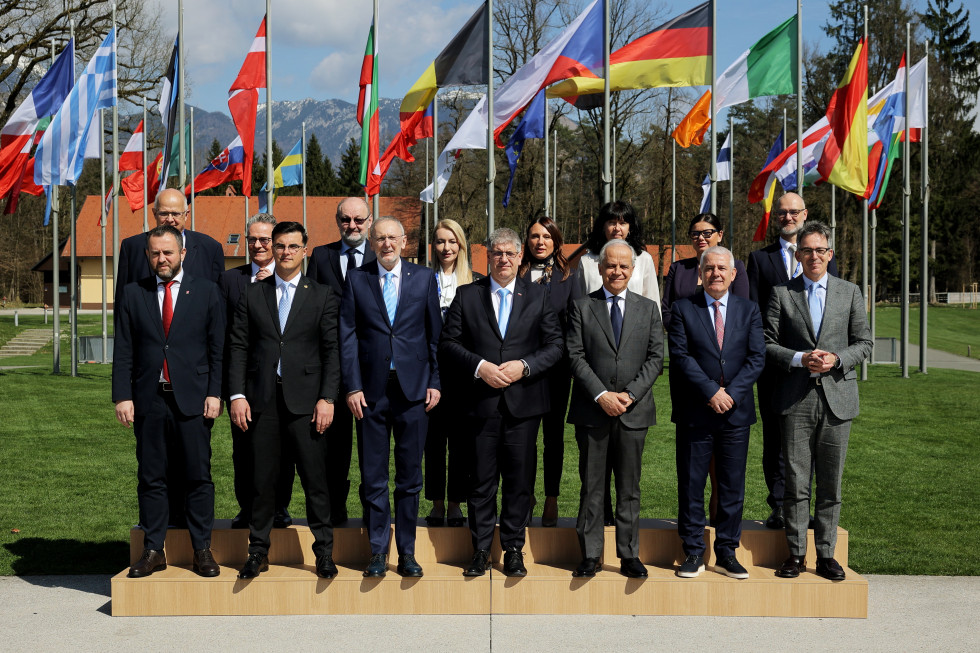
843	331
561	293
308	346
533	335
232	284
697	365
324	266
682	281
598	364
369	342
766	269
193	349
204	259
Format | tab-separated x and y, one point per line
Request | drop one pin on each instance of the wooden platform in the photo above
292	587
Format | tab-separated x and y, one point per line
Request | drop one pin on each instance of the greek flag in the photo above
61	152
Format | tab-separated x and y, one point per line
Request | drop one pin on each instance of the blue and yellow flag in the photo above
289	173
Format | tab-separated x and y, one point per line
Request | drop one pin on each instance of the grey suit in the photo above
815	412
598	365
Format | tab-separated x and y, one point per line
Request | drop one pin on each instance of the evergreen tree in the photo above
350	171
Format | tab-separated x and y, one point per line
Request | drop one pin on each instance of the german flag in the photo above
678	53
844	162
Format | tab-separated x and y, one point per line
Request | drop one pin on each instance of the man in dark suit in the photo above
503	334
717	352
816	332
389	335
616	353
166	382
283	379
233	283
329	265
769	267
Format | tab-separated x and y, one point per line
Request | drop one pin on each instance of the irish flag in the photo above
367	114
844	162
767	68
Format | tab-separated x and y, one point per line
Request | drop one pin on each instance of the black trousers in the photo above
244	466
276	429
340	443
167	440
553	431
447	431
772	441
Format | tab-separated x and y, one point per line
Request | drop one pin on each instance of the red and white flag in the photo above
132	156
243	101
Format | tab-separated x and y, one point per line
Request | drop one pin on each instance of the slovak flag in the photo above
227	166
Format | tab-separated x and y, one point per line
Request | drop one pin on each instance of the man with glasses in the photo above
329	265
816	332
283	378
503	334
233	283
768	267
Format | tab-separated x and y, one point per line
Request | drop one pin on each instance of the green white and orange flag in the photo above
367	111
844	162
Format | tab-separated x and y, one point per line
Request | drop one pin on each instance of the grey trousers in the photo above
812	433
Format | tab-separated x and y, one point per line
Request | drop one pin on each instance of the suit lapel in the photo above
518	302
832	303
181	304
488	307
797	291
776	257
153	305
300	295
334	262
631	318
700	301
269	289
374	282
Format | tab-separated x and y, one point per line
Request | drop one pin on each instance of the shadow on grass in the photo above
34	555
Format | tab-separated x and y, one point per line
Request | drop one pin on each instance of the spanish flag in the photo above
844	162
678	53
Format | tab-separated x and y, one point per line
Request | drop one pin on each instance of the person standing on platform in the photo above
329	265
233	283
283	379
768	267
816	333
389	335
502	334
616	353
166	383
717	352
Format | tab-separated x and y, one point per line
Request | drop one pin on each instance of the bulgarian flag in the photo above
132	156
844	161
367	115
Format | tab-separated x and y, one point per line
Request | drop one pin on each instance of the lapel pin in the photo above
305	285
187	292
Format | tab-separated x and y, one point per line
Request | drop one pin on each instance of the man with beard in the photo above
768	267
166	383
328	266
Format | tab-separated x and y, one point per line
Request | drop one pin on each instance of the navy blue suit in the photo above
698	369
393	364
682	280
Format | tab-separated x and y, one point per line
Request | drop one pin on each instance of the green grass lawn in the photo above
951	328
88	325
68	474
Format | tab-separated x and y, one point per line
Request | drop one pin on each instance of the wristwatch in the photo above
527	369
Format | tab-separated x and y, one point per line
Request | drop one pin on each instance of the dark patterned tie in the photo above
616	317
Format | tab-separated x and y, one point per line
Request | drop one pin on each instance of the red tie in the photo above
168	316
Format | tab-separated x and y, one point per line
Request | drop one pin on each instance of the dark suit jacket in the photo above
696	363
205	259
766	269
598	364
193	348
682	281
533	335
324	266
232	284
369	342
843	331
308	347
561	294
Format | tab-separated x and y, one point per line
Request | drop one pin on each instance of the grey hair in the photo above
340	205
386	218
811	227
264	218
617	242
718	249
504	235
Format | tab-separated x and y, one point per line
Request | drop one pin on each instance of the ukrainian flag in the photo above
289	173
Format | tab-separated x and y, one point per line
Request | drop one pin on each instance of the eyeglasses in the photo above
706	234
251	240
169	214
357	221
292	249
810	251
790	212
510	256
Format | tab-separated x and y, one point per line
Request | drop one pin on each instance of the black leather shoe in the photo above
479	564
240	521
338	516
812	523
792	567
204	564
433	521
408	567
775	520
830	569
632	568
586	568
151	560
255	565
514	564
378	566
325	568
282	519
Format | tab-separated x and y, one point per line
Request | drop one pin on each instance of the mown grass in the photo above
953	329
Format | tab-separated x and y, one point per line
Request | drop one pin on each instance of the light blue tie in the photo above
390	295
816	307
503	313
285	301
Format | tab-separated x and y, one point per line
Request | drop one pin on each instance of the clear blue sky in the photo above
317	45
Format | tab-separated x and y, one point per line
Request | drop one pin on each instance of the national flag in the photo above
678	53
25	185
132	156
426	126
770	191
106	205
18	135
532	126
169	103
367	109
723	168
289	173
691	130
767	68
60	154
243	102
445	164
132	186
227	166
844	161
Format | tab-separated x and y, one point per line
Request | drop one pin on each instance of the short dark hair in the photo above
289	228
710	218
164	230
618	210
811	227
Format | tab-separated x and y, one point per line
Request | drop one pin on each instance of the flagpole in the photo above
606	177
302	158
146	222
833	213
435	162
873	290
714	127
731	184
115	181
376	200
547	195
673	198
270	166
245	226
554	179
799	98
924	154
613	167
906	214
864	232
180	93
56	272
193	228
105	307
73	269
491	168
425	206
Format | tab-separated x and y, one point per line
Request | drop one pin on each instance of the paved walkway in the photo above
906	613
